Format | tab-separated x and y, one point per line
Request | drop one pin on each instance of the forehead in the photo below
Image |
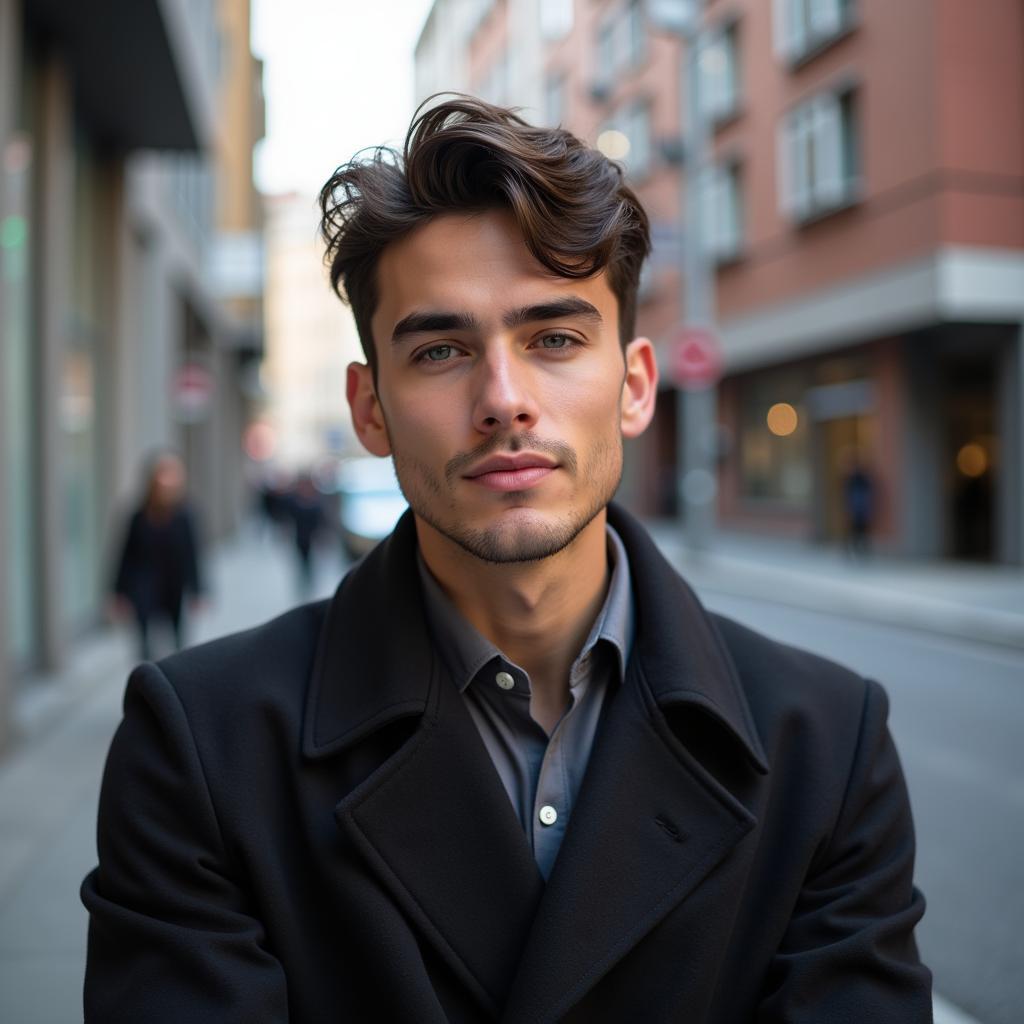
476	263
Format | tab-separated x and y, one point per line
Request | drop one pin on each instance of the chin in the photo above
518	535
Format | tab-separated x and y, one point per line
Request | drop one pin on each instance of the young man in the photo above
512	770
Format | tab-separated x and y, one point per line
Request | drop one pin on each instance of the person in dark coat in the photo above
159	560
513	770
306	511
859	507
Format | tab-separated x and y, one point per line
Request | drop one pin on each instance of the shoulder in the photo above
246	675
800	701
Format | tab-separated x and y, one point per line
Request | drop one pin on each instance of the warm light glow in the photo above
782	419
613	144
972	460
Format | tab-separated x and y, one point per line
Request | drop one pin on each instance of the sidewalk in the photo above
49	783
971	601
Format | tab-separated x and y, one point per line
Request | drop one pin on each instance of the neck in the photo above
538	614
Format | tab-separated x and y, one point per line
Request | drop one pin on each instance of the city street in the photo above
956	714
956	711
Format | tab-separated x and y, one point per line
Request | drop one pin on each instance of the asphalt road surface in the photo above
957	715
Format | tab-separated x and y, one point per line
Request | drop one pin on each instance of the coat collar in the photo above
684	658
639	842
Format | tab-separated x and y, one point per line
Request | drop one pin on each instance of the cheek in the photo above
422	423
591	405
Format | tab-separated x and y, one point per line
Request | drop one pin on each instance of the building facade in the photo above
311	339
863	206
111	125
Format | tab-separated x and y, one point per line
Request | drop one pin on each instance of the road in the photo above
957	712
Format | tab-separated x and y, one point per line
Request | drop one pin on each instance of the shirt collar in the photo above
465	652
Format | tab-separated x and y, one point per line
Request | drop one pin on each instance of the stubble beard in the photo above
524	538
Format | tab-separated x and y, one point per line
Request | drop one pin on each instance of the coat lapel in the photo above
433	821
650	822
435	825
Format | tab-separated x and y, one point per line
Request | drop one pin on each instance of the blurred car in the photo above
370	503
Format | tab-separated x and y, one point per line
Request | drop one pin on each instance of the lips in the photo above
512	472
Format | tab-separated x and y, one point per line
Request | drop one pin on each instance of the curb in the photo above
744	578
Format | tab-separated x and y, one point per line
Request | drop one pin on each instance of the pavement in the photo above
972	601
49	780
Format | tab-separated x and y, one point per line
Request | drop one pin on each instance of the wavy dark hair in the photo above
577	215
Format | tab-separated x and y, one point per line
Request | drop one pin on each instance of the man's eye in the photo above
437	353
556	341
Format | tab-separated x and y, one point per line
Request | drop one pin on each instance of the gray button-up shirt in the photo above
541	773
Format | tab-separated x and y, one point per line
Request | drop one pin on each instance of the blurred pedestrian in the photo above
858	505
159	557
273	501
305	509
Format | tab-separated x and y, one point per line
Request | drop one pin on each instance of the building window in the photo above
637	126
477	14
555	19
494	85
719	75
721	206
774	439
621	42
803	27
627	138
555	88
819	167
636	27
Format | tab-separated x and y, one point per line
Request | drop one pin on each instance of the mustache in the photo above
456	466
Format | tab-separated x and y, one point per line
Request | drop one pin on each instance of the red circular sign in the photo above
696	358
193	388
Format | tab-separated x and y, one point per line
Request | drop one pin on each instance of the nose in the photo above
503	397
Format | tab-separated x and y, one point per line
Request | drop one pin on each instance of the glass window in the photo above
555	19
804	26
719	75
81	584
554	98
638	131
605	52
721	207
819	166
774	441
636	26
17	435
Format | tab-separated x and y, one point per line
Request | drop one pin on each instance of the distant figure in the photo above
159	561
307	514
858	502
273	501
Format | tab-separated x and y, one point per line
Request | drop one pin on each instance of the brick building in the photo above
864	210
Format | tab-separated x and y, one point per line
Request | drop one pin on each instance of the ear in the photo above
640	387
367	415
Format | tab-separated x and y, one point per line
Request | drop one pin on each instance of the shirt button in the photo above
548	815
504	680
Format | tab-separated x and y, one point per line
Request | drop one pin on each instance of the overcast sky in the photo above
338	77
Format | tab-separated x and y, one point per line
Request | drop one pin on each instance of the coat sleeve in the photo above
172	934
848	955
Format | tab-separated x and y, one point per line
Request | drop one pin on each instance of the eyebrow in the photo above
570	307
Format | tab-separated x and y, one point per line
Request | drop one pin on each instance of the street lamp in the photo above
697	484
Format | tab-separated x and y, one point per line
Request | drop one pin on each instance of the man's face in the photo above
502	392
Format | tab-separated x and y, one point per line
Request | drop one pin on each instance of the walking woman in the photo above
159	562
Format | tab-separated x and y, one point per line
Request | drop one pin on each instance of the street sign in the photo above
696	359
193	392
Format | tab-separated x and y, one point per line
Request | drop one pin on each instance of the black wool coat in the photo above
301	823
